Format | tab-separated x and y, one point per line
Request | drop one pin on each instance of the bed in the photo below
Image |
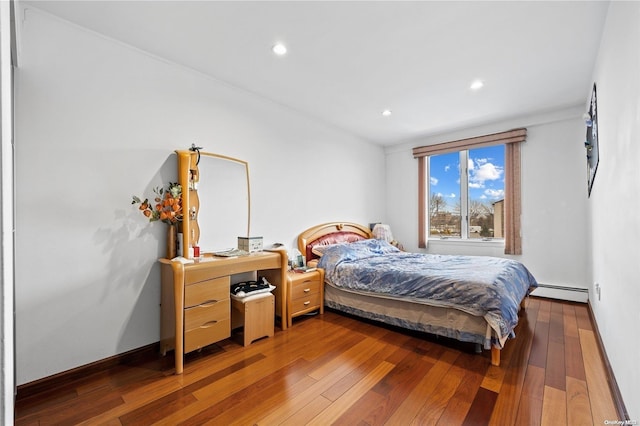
468	298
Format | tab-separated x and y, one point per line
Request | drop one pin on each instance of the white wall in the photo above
614	202
6	217
97	121
554	209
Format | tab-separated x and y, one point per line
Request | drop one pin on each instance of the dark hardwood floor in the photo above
334	369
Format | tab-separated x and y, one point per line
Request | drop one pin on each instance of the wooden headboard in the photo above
342	231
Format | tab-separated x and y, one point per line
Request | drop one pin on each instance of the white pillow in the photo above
319	249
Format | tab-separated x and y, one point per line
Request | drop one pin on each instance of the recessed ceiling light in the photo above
476	85
386	112
279	49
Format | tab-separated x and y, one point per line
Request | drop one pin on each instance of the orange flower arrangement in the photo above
167	207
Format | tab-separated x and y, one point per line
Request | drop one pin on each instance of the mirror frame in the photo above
188	178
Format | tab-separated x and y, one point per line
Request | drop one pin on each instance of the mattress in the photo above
440	321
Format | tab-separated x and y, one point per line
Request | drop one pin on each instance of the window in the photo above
470	189
466	202
444	195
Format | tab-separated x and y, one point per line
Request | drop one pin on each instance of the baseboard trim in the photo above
57	380
623	414
572	294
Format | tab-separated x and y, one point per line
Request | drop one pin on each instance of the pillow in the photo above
355	251
331	239
377	246
320	249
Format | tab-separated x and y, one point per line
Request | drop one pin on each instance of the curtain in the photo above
422	204
512	200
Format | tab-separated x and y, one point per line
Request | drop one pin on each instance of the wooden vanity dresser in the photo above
195	301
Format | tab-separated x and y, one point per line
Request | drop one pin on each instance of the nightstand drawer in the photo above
305	303
206	335
206	314
206	292
305	288
305	293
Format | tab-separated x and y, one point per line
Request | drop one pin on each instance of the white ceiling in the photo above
348	61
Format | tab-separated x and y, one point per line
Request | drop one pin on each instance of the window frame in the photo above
512	140
465	217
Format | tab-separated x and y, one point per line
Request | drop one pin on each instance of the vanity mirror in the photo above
216	200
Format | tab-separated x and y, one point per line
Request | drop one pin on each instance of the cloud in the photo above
452	195
434	181
446	168
495	194
489	171
485	172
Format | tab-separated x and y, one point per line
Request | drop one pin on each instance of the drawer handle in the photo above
209	324
306	281
307	303
307	290
205	304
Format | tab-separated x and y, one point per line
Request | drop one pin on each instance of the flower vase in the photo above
172	237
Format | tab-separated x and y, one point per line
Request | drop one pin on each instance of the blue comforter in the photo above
489	287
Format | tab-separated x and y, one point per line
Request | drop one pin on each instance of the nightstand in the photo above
305	293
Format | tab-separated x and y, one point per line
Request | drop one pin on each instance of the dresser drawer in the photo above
305	288
206	314
196	275
206	292
304	304
206	335
206	324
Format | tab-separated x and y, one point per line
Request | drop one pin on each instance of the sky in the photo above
486	175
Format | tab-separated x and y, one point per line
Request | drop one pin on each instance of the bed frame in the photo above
340	229
385	309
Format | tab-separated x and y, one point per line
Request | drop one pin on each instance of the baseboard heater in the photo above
574	294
